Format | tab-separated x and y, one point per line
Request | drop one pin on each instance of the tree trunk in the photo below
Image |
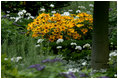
100	42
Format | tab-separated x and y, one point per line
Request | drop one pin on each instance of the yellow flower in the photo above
84	30
45	23
80	25
51	38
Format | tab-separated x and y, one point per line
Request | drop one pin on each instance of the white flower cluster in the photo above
59	41
14	59
91	5
21	15
37	45
87	46
73	44
59	47
42	9
65	14
84	63
70	10
78	11
53	11
40	40
72	70
78	47
52	5
82	7
114	53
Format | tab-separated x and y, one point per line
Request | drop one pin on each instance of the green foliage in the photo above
8	70
31	6
68	50
16	44
113	14
7	29
113	39
51	70
112	17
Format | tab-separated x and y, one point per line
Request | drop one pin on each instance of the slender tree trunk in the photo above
100	45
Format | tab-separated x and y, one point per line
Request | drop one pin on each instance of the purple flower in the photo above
4	16
46	60
104	77
40	68
49	60
65	75
16	24
72	75
83	75
34	66
56	59
110	9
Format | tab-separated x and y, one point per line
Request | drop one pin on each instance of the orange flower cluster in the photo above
60	27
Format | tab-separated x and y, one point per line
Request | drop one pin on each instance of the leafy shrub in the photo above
113	39
31	6
7	69
8	30
69	49
11	28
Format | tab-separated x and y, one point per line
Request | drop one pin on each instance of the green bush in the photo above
31	6
68	51
8	70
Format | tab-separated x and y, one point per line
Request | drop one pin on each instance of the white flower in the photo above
88	12
78	11
28	14
53	11
20	13
28	17
24	11
82	7
12	59
91	5
84	63
59	47
70	10
17	18
111	43
109	59
7	15
113	54
73	43
37	45
18	58
8	11
12	18
86	46
42	9
59	41
78	47
32	17
14	8
51	5
40	40
72	70
65	14
115	75
5	58
103	70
